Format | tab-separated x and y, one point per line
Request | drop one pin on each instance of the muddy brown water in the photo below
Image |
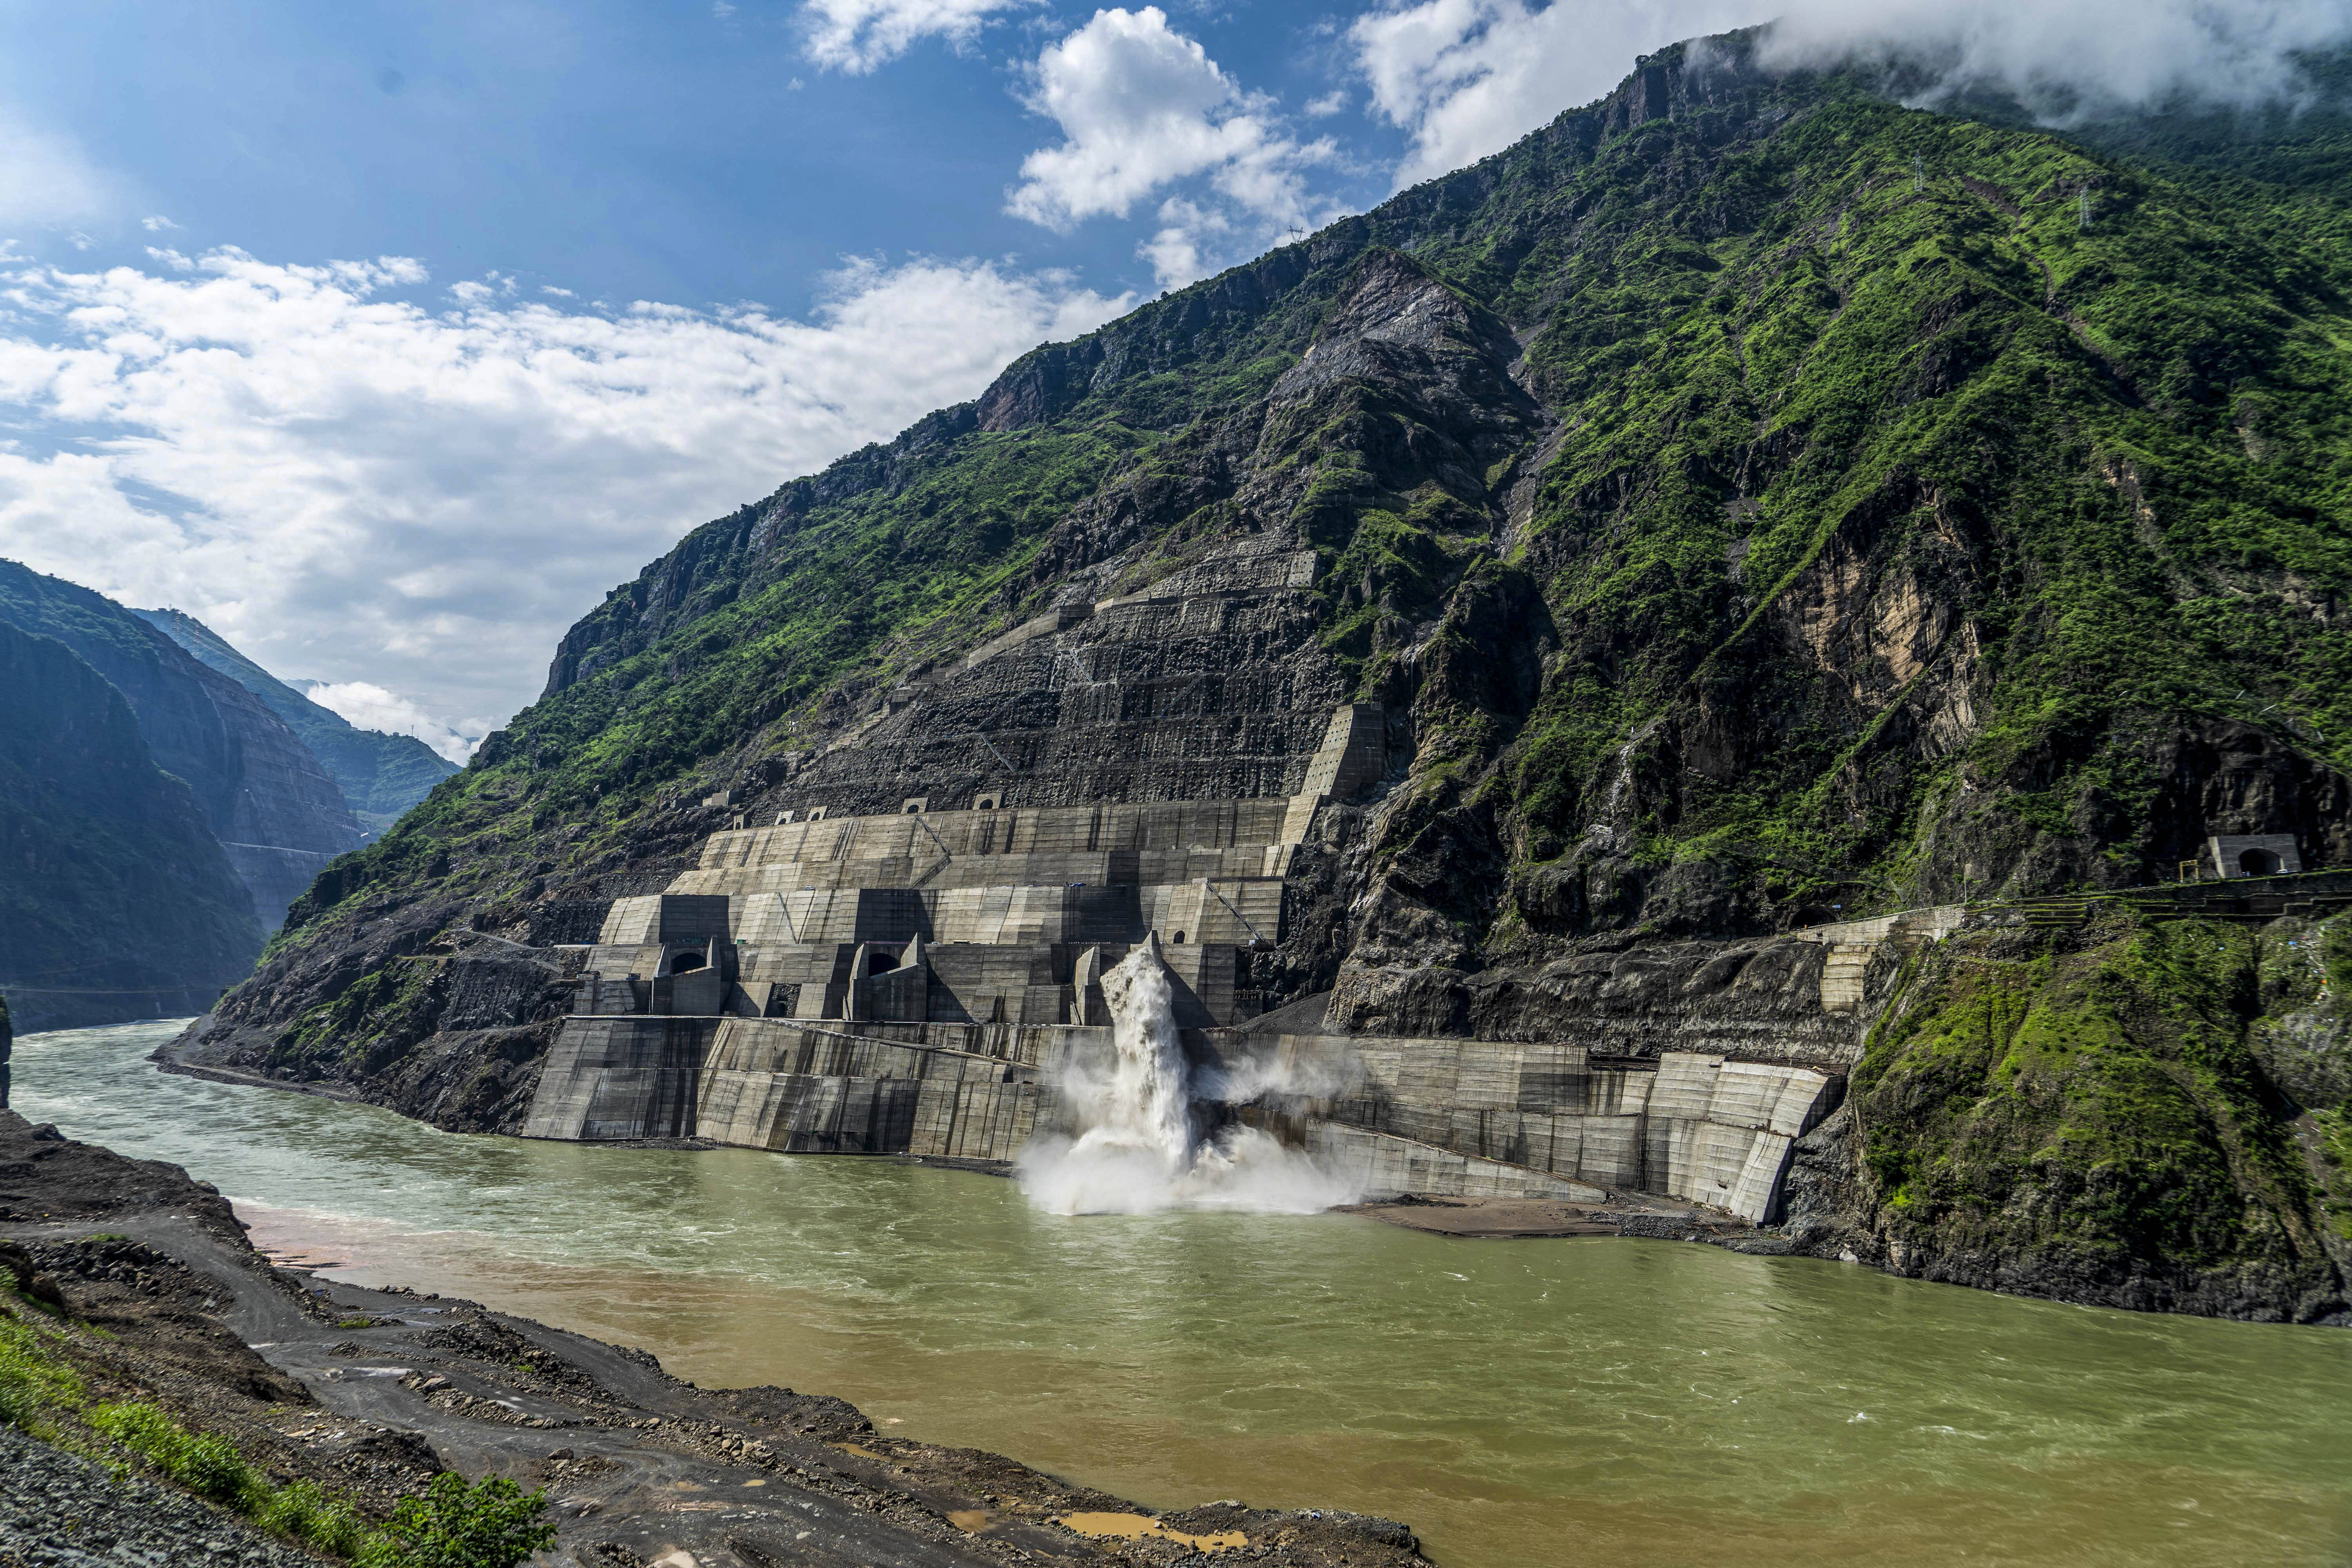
1545	1402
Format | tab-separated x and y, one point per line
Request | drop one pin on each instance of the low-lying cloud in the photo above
357	488
368	706
1467	77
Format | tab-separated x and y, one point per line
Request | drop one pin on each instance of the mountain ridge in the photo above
381	774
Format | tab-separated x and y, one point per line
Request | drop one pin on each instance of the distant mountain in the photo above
382	775
116	900
274	809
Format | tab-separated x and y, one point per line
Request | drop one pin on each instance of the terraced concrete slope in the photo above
1743	509
274	812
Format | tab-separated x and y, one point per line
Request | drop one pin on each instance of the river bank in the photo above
369	1392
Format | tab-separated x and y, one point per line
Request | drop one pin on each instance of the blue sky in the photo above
676	151
386	338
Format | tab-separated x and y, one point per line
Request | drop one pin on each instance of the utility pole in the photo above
2083	212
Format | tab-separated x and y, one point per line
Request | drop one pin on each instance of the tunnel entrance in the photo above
684	962
2258	863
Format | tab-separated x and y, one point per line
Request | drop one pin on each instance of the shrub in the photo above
491	1524
305	1511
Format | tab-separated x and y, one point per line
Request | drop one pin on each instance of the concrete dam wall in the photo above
903	952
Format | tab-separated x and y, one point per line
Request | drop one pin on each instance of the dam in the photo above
897	945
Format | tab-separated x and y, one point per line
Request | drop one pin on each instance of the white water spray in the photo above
1139	1147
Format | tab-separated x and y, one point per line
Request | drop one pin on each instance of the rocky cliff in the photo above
115	901
1749	502
273	809
380	775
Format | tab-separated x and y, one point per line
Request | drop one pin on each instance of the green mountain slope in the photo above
382	775
115	900
1753	501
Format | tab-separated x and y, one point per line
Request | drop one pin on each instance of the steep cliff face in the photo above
272	807
1750	502
380	775
115	900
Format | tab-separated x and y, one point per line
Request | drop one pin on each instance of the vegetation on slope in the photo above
1926	539
53	1378
2096	1110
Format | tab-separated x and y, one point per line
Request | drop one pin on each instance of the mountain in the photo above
1746	504
117	901
380	775
265	797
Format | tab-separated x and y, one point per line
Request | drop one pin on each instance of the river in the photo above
1585	1400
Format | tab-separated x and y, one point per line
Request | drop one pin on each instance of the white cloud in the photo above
1467	77
856	36
47	178
347	485
1330	103
370	707
156	223
2065	55
1143	107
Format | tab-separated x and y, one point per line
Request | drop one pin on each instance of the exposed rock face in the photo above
380	775
1732	529
273	809
115	900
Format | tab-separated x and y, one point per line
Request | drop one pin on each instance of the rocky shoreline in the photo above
157	1296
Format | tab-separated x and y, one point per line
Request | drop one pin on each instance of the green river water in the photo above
1585	1400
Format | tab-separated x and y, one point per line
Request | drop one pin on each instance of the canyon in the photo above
1588	675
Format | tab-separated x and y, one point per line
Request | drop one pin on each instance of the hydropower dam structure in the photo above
896	945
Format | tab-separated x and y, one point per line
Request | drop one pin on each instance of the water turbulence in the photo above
1140	1144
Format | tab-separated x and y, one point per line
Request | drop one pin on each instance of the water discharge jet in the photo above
1141	1145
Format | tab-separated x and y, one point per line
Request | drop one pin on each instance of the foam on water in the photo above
1141	1147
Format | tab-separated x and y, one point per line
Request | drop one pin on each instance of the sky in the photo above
387	339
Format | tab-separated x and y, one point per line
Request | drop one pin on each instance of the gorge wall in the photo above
1520	637
118	902
380	775
273	810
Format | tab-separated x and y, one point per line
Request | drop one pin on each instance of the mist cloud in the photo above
1467	77
2079	56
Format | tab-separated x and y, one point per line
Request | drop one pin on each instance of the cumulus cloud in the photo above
354	487
370	707
1141	107
856	36
1467	77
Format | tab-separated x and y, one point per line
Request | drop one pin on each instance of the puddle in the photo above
868	1453
972	1521
1136	1526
